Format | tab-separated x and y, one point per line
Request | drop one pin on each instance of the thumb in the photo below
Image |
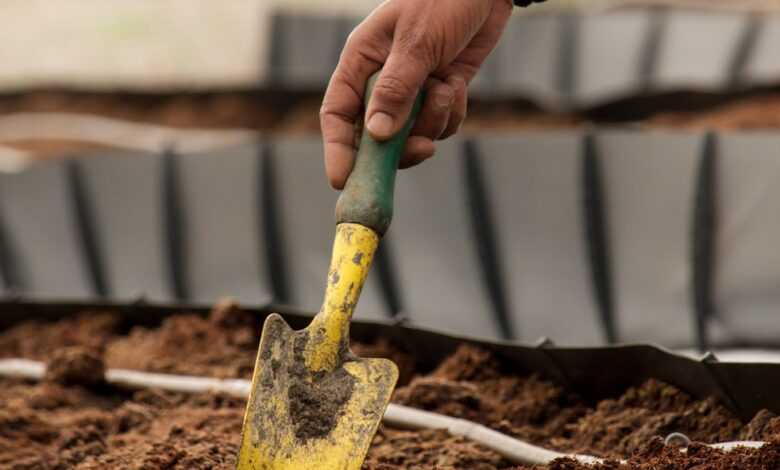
394	92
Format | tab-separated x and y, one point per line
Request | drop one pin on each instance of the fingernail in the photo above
380	124
443	100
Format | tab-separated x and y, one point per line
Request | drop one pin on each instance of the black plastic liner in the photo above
571	60
604	236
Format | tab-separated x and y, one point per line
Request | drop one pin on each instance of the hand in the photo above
438	45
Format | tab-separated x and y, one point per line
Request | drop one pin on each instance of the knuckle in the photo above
327	108
393	90
420	48
351	39
324	112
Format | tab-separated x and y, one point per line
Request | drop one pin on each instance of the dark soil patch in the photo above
47	426
316	399
75	366
316	406
80	425
298	113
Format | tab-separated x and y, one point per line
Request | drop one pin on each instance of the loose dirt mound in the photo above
51	425
471	385
222	345
75	366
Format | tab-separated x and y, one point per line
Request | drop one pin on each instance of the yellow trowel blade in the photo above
313	403
298	420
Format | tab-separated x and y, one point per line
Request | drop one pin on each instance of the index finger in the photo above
342	105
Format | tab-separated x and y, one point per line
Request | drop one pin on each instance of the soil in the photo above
289	113
75	366
762	112
184	110
315	406
82	423
298	112
316	399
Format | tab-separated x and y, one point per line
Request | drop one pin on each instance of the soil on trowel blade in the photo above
81	423
316	399
316	406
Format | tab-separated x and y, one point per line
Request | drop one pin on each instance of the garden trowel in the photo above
313	403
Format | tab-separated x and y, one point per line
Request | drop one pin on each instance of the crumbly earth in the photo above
297	113
316	399
75	366
85	424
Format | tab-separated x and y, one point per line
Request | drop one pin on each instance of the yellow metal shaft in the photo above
353	251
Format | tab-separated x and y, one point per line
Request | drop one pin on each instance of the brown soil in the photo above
210	110
75	366
86	424
316	399
48	426
298	113
221	345
285	114
761	112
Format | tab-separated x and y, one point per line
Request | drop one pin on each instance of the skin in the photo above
438	45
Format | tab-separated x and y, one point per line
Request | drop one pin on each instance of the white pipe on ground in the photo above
400	416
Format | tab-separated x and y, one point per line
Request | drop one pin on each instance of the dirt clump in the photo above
384	348
316	398
394	449
764	425
471	385
222	345
54	425
755	112
655	456
86	429
622	426
75	366
316	406
37	340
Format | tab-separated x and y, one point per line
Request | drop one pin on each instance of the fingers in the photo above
417	150
435	121
409	41
337	121
430	123
435	112
459	105
395	90
342	106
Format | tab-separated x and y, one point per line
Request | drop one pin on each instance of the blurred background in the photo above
615	179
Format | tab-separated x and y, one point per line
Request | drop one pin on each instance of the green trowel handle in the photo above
367	198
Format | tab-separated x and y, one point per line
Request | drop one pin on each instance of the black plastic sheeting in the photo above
571	60
593	372
604	236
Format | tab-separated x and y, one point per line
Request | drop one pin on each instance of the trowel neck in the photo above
353	250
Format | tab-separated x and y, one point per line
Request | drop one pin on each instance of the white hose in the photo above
508	447
398	416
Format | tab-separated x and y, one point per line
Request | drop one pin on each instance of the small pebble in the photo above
677	439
